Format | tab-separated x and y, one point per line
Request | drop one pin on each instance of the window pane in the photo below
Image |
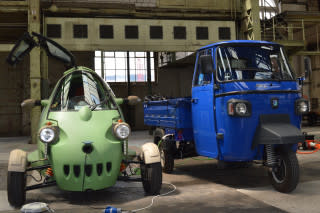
97	63
132	64
121	76
152	63
121	63
140	54
109	54
97	53
109	63
132	75
141	75
140	63
131	54
151	54
121	54
110	75
152	75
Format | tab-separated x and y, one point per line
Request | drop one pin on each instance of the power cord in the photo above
152	200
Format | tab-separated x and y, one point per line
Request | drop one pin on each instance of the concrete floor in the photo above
201	187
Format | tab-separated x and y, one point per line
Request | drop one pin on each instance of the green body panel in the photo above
75	128
67	151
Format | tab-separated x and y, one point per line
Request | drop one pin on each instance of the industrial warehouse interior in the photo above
159	106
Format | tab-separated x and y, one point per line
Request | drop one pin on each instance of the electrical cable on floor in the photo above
152	200
140	209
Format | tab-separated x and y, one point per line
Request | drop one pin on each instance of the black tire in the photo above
166	149
312	119
285	177
151	176
16	184
158	134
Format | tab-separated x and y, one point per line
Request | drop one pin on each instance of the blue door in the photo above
203	113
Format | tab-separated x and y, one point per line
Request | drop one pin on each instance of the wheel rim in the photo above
280	173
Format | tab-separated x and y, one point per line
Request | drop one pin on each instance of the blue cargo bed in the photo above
170	113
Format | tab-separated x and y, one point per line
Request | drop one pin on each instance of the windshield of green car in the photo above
252	62
80	89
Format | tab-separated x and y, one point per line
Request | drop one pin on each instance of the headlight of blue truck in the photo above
240	108
302	106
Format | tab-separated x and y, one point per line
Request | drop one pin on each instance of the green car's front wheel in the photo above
16	188
151	175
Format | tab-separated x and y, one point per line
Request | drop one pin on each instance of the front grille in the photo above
88	169
76	170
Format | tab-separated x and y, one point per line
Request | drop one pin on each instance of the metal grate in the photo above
131	32
106	31
202	33
179	33
156	32
224	33
54	30
80	31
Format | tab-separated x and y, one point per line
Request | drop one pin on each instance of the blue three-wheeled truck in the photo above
246	105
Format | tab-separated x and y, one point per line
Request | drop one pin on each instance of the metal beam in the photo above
6	47
35	73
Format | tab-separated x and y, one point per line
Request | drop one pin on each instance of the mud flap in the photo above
276	129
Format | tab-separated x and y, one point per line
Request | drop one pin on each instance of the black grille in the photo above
99	169
179	32
80	31
106	31
109	166
88	170
66	169
202	33
131	32
156	32
224	33
76	170
54	30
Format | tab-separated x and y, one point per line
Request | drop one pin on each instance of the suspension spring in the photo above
271	155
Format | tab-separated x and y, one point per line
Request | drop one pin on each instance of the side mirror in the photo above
133	100
29	103
206	64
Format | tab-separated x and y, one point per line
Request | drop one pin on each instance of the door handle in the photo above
194	100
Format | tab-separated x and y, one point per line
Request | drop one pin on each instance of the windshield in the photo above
82	89
253	62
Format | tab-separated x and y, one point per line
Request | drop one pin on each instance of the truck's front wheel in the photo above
285	175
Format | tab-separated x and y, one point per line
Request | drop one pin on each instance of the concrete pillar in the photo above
251	20
35	73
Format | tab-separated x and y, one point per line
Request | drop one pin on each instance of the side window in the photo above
201	78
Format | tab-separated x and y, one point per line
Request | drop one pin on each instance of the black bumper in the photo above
276	129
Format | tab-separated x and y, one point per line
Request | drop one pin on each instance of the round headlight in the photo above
121	130
241	108
47	134
303	107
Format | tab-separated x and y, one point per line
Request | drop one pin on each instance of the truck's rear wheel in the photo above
16	183
151	176
285	176
166	155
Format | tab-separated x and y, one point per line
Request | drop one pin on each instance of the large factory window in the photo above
114	67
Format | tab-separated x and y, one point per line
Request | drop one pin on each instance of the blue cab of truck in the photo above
246	105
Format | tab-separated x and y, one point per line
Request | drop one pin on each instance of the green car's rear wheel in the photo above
151	176
16	183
